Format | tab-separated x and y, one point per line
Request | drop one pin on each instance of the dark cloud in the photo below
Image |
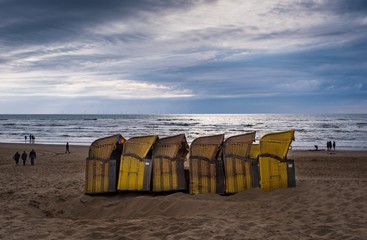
348	7
43	21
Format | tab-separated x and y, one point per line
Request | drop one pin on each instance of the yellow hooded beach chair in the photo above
102	164
237	165
272	159
206	171
168	157
135	167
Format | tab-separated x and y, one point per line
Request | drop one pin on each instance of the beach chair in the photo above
254	151
273	160
136	165
102	164
206	171
168	157
237	164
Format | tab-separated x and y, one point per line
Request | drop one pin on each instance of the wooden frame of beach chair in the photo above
168	157
206	171
273	160
102	164
237	165
136	165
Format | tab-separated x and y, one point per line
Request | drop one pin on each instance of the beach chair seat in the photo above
273	159
102	164
136	164
237	165
206	171
168	158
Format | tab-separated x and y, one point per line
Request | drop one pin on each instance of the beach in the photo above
47	201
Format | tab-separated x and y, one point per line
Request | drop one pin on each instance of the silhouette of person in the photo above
16	157
32	156
24	157
67	148
334	145
25	139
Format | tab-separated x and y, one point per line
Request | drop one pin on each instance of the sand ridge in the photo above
47	201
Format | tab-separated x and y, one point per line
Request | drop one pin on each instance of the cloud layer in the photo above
183	56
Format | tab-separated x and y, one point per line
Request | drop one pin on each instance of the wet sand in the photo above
47	201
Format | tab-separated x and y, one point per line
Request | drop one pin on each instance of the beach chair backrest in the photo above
136	165
168	157
276	144
102	148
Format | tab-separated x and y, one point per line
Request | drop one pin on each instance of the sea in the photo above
349	131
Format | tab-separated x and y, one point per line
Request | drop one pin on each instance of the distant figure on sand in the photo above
16	157
328	145
25	139
32	156
334	145
67	148
24	157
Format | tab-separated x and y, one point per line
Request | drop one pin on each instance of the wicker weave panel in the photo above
102	148
237	171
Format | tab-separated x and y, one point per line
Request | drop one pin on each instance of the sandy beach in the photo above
47	201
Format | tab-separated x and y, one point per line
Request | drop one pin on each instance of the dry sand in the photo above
46	201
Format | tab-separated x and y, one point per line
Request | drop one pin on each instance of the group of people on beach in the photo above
32	138
330	145
32	156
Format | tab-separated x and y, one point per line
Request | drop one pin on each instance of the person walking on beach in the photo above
25	139
67	148
24	157
334	145
16	157
32	156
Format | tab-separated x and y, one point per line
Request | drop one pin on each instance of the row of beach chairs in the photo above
215	164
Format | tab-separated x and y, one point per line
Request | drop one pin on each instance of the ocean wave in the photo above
9	124
326	125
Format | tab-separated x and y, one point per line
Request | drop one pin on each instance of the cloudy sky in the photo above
183	56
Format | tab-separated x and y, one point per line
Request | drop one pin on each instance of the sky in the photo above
183	56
